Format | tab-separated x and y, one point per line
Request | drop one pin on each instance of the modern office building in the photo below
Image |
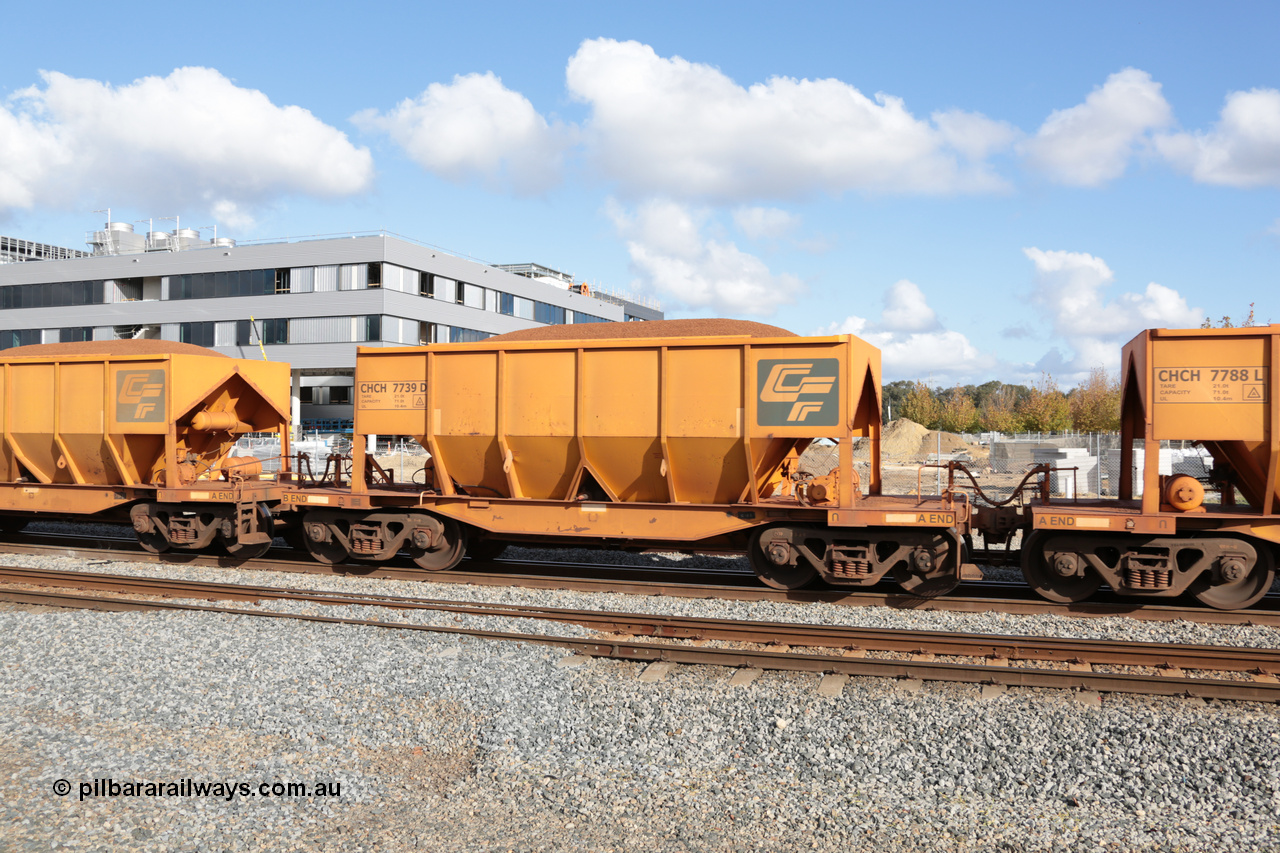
309	302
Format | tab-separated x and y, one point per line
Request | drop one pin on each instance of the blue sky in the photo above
983	191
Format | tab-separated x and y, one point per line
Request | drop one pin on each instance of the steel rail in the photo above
675	583
639	651
1263	661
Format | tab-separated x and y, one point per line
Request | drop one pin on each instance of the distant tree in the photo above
921	405
999	409
1095	403
1045	409
957	413
895	394
984	392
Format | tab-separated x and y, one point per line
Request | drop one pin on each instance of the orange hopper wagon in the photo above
140	431
1167	534
681	434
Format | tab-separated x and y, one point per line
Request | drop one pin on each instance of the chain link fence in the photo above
1087	465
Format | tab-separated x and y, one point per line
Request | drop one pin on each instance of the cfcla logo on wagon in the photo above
792	392
140	396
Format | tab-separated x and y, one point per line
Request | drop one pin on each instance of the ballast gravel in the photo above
442	742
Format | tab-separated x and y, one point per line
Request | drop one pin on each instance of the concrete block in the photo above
657	671
991	691
832	685
572	661
743	677
909	685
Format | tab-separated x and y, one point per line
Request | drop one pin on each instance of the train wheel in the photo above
324	550
242	551
776	562
1252	583
1054	582
927	576
150	534
446	552
153	541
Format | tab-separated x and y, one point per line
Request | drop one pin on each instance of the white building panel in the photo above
302	279
224	334
353	277
446	289
326	279
320	330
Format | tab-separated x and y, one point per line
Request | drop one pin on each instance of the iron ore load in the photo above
676	434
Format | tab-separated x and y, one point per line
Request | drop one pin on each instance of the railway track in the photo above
989	659
974	597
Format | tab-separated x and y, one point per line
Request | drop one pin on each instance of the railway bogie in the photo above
335	536
923	561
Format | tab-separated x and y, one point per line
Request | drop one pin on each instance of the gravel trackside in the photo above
453	743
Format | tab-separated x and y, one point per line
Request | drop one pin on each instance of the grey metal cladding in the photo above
318	260
302	279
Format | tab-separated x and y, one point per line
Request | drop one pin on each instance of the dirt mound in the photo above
901	439
950	443
142	346
904	440
700	328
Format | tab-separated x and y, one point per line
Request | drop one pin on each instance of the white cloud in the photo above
974	135
687	130
192	138
906	309
672	258
764	223
1070	287
1242	150
913	344
1091	143
476	127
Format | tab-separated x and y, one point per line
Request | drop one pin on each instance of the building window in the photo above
426	333
20	338
373	327
458	335
129	289
339	395
200	334
549	314
375	275
244	334
60	294
282	281
275	331
427	285
223	284
306	394
80	333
